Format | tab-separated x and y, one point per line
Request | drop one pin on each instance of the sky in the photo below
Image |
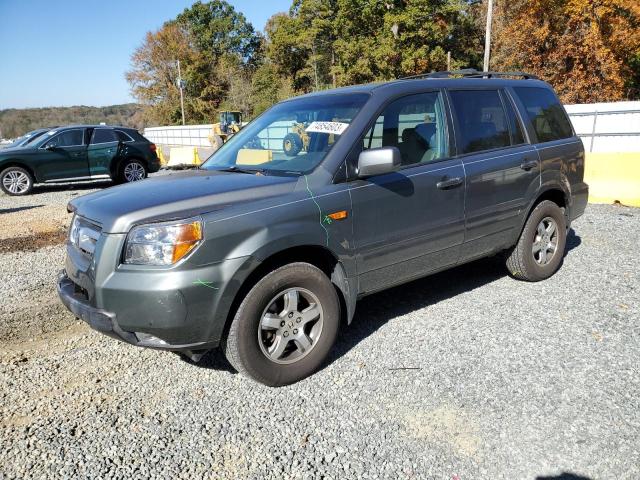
75	52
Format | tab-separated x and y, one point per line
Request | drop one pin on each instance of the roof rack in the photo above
472	73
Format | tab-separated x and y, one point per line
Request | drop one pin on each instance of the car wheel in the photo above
291	144
285	326
16	181
540	249
132	171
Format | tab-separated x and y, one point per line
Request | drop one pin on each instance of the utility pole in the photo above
181	86
315	63
487	38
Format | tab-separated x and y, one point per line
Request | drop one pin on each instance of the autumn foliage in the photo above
588	50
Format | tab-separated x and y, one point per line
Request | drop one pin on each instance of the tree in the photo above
341	42
153	77
217	49
588	50
218	30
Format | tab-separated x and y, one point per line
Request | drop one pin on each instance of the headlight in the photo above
162	243
74	230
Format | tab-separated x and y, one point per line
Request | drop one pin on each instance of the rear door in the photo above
502	168
64	156
561	152
409	222
103	149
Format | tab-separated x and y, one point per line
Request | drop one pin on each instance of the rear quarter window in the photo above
123	136
136	136
547	115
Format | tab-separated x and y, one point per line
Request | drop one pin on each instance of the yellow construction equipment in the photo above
229	124
296	140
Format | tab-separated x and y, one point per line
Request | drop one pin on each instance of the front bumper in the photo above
73	297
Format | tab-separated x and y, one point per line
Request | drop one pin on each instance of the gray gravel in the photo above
468	374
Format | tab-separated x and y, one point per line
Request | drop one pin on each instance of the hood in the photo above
174	196
10	150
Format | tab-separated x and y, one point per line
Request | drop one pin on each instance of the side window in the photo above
547	116
69	138
416	125
517	137
103	135
482	120
123	137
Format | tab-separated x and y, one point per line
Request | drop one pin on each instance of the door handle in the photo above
528	164
449	183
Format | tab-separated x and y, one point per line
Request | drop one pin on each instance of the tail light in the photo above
152	146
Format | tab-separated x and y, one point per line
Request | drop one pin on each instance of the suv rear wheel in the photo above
16	181
285	326
131	171
539	251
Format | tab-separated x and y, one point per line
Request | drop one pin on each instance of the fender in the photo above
549	186
348	287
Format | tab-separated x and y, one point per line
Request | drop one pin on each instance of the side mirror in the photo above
377	161
50	147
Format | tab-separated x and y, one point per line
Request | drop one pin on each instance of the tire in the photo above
265	320
132	170
291	144
16	181
532	258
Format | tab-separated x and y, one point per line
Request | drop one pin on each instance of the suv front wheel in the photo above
540	249
131	171
16	181
285	326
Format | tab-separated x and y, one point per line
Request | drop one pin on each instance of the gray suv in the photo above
264	253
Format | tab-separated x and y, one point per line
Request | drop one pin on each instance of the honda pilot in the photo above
264	253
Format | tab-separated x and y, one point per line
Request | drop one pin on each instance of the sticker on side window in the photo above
337	128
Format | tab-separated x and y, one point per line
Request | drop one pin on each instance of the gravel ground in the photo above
467	374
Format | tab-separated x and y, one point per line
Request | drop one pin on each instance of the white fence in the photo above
188	135
607	127
603	127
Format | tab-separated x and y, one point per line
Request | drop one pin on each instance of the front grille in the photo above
84	235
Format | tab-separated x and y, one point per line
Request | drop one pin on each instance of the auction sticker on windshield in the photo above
327	127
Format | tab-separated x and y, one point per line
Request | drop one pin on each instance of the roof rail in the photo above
472	73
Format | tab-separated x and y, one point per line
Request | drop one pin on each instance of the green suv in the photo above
78	154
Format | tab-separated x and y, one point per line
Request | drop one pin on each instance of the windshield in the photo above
26	139
18	141
33	137
292	137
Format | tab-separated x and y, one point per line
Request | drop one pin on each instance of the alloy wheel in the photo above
16	182
290	326
134	172
545	242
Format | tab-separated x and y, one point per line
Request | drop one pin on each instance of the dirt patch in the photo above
446	424
34	242
44	315
27	221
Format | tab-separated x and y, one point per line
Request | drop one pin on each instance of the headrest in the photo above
407	134
426	131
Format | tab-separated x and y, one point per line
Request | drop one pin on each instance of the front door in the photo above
63	156
102	150
409	222
502	168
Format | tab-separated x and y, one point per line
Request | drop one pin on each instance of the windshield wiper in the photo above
236	169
